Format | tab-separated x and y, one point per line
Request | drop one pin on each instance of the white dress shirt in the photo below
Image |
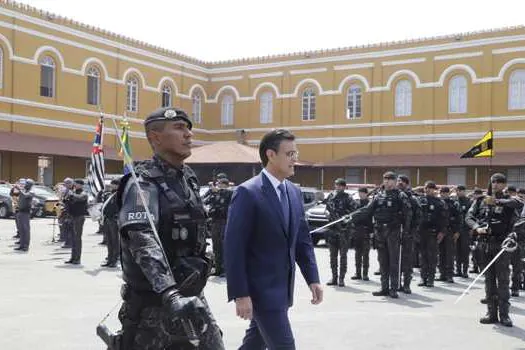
275	183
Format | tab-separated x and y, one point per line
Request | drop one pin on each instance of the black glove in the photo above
178	306
510	243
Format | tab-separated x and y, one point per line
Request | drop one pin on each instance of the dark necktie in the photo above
285	206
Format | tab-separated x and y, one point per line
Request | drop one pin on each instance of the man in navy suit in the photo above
266	234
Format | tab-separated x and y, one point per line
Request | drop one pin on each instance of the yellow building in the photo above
412	106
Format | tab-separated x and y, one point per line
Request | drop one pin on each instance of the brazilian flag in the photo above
126	155
483	149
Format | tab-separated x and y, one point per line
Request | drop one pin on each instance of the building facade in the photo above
411	106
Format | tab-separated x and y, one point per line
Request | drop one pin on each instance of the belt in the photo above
145	298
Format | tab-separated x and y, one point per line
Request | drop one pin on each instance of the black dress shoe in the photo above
22	249
74	262
109	264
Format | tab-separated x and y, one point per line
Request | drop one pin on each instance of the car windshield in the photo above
43	191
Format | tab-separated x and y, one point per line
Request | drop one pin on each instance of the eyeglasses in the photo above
293	155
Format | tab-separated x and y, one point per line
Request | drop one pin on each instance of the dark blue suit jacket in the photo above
260	252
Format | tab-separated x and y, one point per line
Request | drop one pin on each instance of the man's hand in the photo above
440	237
456	236
244	308
317	293
481	230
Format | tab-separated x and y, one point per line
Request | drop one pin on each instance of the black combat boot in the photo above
357	276
393	293
342	281
492	314
430	282
365	274
515	293
450	279
483	301
406	286
423	283
380	293
333	281
504	318
465	272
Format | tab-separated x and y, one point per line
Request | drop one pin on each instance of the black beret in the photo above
79	182
221	175
404	178
363	189
478	191
498	177
444	189
430	184
340	182
224	180
168	114
461	188
521	191
390	175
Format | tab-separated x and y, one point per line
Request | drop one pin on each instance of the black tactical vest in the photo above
388	208
430	211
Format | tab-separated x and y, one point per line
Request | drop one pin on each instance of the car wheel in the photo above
40	213
4	212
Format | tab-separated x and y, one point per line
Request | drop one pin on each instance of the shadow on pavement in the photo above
349	289
401	301
515	332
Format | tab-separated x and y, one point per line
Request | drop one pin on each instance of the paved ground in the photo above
47	305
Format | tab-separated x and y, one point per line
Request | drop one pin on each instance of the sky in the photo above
215	30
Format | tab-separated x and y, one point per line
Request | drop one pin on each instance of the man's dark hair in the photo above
157	125
272	140
511	189
404	178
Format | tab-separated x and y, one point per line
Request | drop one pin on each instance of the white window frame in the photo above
354	102
47	62
132	94
227	106
517	90
93	74
196	107
266	108
403	99
166	91
308	104
457	95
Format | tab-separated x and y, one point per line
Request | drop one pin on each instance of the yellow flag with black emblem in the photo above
483	149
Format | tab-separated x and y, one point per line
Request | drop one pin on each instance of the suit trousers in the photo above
76	242
269	330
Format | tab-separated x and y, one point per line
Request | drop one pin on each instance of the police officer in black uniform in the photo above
164	280
517	262
477	246
447	244
219	201
25	201
434	222
492	220
408	242
360	233
338	203
463	242
392	215
76	203
109	224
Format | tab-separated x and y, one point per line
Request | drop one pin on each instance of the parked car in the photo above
317	216
311	196
44	201
6	205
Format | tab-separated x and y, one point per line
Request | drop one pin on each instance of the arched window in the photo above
166	95
266	108
93	86
403	103
457	95
353	102
132	95
47	76
196	107
227	110
517	89
309	104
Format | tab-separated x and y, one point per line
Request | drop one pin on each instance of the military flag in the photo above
125	152
483	149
